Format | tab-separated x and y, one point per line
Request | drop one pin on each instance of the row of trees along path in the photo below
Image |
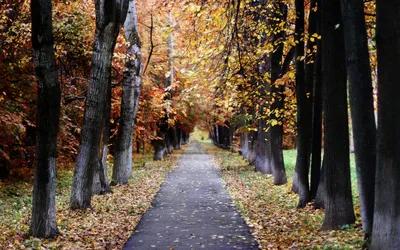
90	175
321	80
336	54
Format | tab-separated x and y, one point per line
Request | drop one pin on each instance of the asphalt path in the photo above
192	210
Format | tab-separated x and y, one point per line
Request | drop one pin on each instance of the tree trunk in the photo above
177	135
320	195
171	139
130	99
386	223
100	179
316	126
303	113
161	148
338	203
109	17
244	144
264	154
278	166
43	220
252	153
362	106
159	144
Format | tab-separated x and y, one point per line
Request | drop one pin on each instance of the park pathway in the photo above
192	210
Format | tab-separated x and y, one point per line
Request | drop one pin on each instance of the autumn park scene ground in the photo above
199	124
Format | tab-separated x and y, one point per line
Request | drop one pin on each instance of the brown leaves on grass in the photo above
106	226
271	211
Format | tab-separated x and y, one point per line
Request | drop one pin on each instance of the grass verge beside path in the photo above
271	211
107	226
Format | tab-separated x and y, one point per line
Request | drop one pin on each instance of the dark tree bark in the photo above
177	138
278	166
264	151
386	224
252	147
101	184
43	220
185	138
263	156
130	99
304	113
110	15
159	149
320	195
338	203
361	104
170	139
316	126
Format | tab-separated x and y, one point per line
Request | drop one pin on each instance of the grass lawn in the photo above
271	211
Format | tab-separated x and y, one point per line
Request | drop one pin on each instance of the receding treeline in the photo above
256	74
327	44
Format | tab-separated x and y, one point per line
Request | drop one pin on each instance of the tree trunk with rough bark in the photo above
320	195
264	151
304	114
338	202
130	99
386	222
43	221
110	15
278	166
177	144
316	126
101	184
362	105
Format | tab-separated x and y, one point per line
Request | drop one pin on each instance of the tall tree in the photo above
263	148
130	99
304	114
110	15
386	224
361	104
101	184
43	221
313	74
338	202
163	144
277	70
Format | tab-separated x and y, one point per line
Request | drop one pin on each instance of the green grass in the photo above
270	209
290	164
289	157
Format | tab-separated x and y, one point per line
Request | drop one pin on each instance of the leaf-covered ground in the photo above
271	211
107	226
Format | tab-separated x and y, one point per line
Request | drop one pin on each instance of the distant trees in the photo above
43	221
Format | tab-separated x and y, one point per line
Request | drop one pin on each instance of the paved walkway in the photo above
192	211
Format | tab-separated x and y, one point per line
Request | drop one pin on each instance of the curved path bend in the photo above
192	210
